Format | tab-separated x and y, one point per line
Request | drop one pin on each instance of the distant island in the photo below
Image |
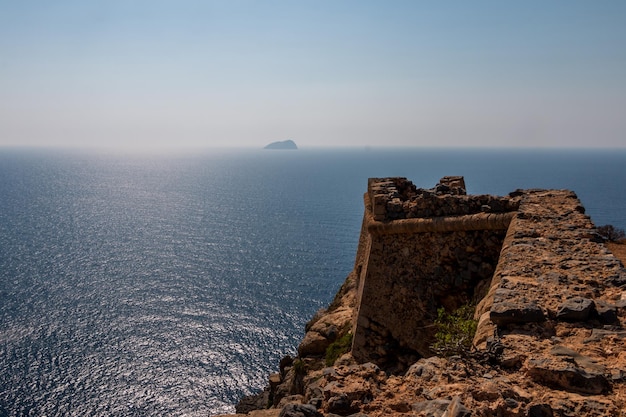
285	144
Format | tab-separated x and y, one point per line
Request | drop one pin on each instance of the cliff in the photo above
548	301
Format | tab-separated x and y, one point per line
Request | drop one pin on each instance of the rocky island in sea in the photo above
285	144
544	335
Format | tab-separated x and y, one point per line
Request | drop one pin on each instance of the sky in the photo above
243	73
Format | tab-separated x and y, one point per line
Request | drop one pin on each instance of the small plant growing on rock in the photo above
299	367
455	331
338	348
611	233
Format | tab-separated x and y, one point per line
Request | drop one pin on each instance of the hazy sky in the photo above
323	73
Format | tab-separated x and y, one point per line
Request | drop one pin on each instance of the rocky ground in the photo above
484	384
567	358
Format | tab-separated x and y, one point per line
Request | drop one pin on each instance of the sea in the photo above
171	284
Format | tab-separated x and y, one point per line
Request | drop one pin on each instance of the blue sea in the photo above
172	284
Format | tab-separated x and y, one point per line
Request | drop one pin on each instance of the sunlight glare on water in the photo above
173	285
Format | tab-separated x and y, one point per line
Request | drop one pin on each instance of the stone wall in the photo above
398	198
556	303
551	313
551	260
532	262
415	264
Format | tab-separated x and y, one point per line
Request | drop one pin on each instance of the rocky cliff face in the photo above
550	339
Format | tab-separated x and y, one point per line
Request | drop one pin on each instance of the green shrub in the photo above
338	348
299	367
455	331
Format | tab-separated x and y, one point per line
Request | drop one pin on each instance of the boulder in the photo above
563	375
607	312
429	368
340	404
253	402
431	408
457	409
313	344
300	410
575	309
511	308
540	410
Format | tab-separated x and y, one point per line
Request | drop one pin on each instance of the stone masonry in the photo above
426	249
550	305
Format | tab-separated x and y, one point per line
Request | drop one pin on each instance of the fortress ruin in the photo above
525	258
550	306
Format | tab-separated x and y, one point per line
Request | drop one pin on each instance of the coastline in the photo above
520	364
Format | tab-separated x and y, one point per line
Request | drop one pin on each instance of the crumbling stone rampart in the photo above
398	198
531	257
551	311
556	302
416	263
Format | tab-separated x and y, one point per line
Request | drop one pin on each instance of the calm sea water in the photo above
172	285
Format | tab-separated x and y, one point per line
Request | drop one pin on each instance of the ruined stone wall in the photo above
552	254
552	317
414	265
537	271
398	198
408	277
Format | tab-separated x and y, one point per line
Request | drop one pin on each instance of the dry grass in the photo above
619	250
